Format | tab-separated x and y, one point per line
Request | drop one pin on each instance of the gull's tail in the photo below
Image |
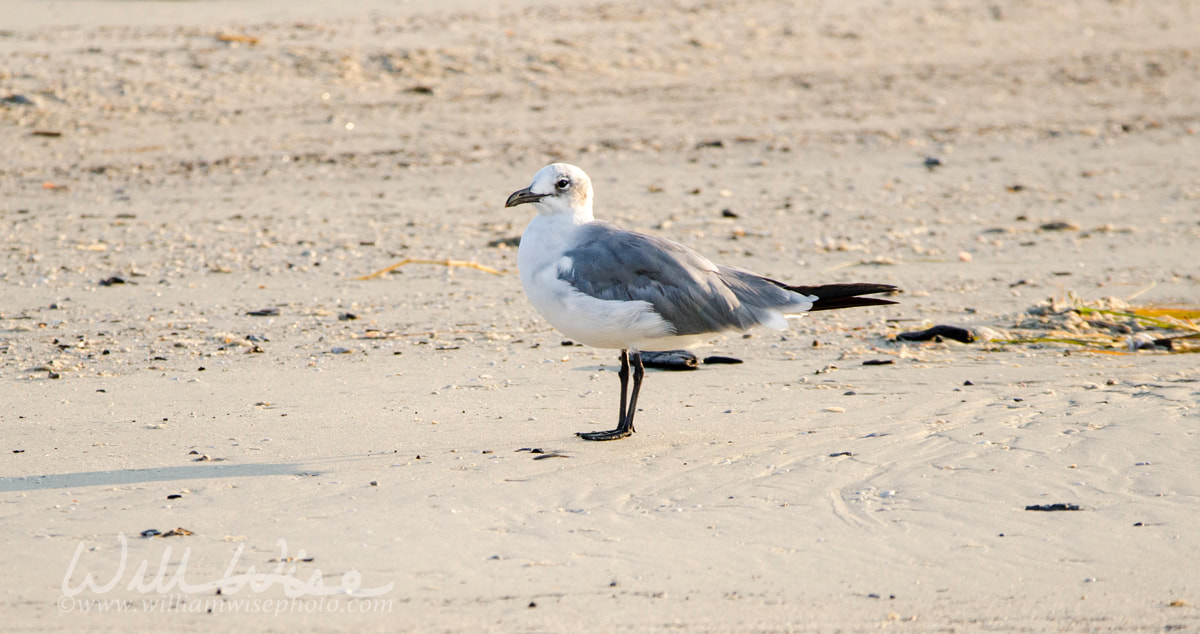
834	296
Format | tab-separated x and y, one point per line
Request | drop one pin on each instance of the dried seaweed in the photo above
1108	325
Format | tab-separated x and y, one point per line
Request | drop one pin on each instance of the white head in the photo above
557	188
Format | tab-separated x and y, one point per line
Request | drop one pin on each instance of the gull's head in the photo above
557	188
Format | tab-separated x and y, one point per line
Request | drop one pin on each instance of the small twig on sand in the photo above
462	263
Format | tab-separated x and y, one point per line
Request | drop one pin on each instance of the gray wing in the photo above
688	291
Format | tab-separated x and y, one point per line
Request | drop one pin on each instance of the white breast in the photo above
588	320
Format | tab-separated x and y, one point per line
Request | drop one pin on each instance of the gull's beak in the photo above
522	196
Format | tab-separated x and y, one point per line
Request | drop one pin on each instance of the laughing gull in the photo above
610	288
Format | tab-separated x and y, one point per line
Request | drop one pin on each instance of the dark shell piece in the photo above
945	332
1060	506
670	360
718	360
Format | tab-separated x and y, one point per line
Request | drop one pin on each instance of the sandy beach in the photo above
210	421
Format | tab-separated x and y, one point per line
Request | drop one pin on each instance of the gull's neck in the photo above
576	216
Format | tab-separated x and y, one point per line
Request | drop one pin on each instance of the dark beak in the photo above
522	196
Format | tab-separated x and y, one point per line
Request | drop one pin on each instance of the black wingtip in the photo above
835	296
849	302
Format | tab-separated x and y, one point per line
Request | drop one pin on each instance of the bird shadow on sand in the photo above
118	477
140	476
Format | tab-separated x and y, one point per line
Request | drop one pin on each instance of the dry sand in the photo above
222	158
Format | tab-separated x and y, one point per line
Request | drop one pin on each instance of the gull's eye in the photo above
563	184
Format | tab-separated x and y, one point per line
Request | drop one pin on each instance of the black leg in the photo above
638	373
624	374
625	422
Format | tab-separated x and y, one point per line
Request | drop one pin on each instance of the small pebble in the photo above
18	100
1059	225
